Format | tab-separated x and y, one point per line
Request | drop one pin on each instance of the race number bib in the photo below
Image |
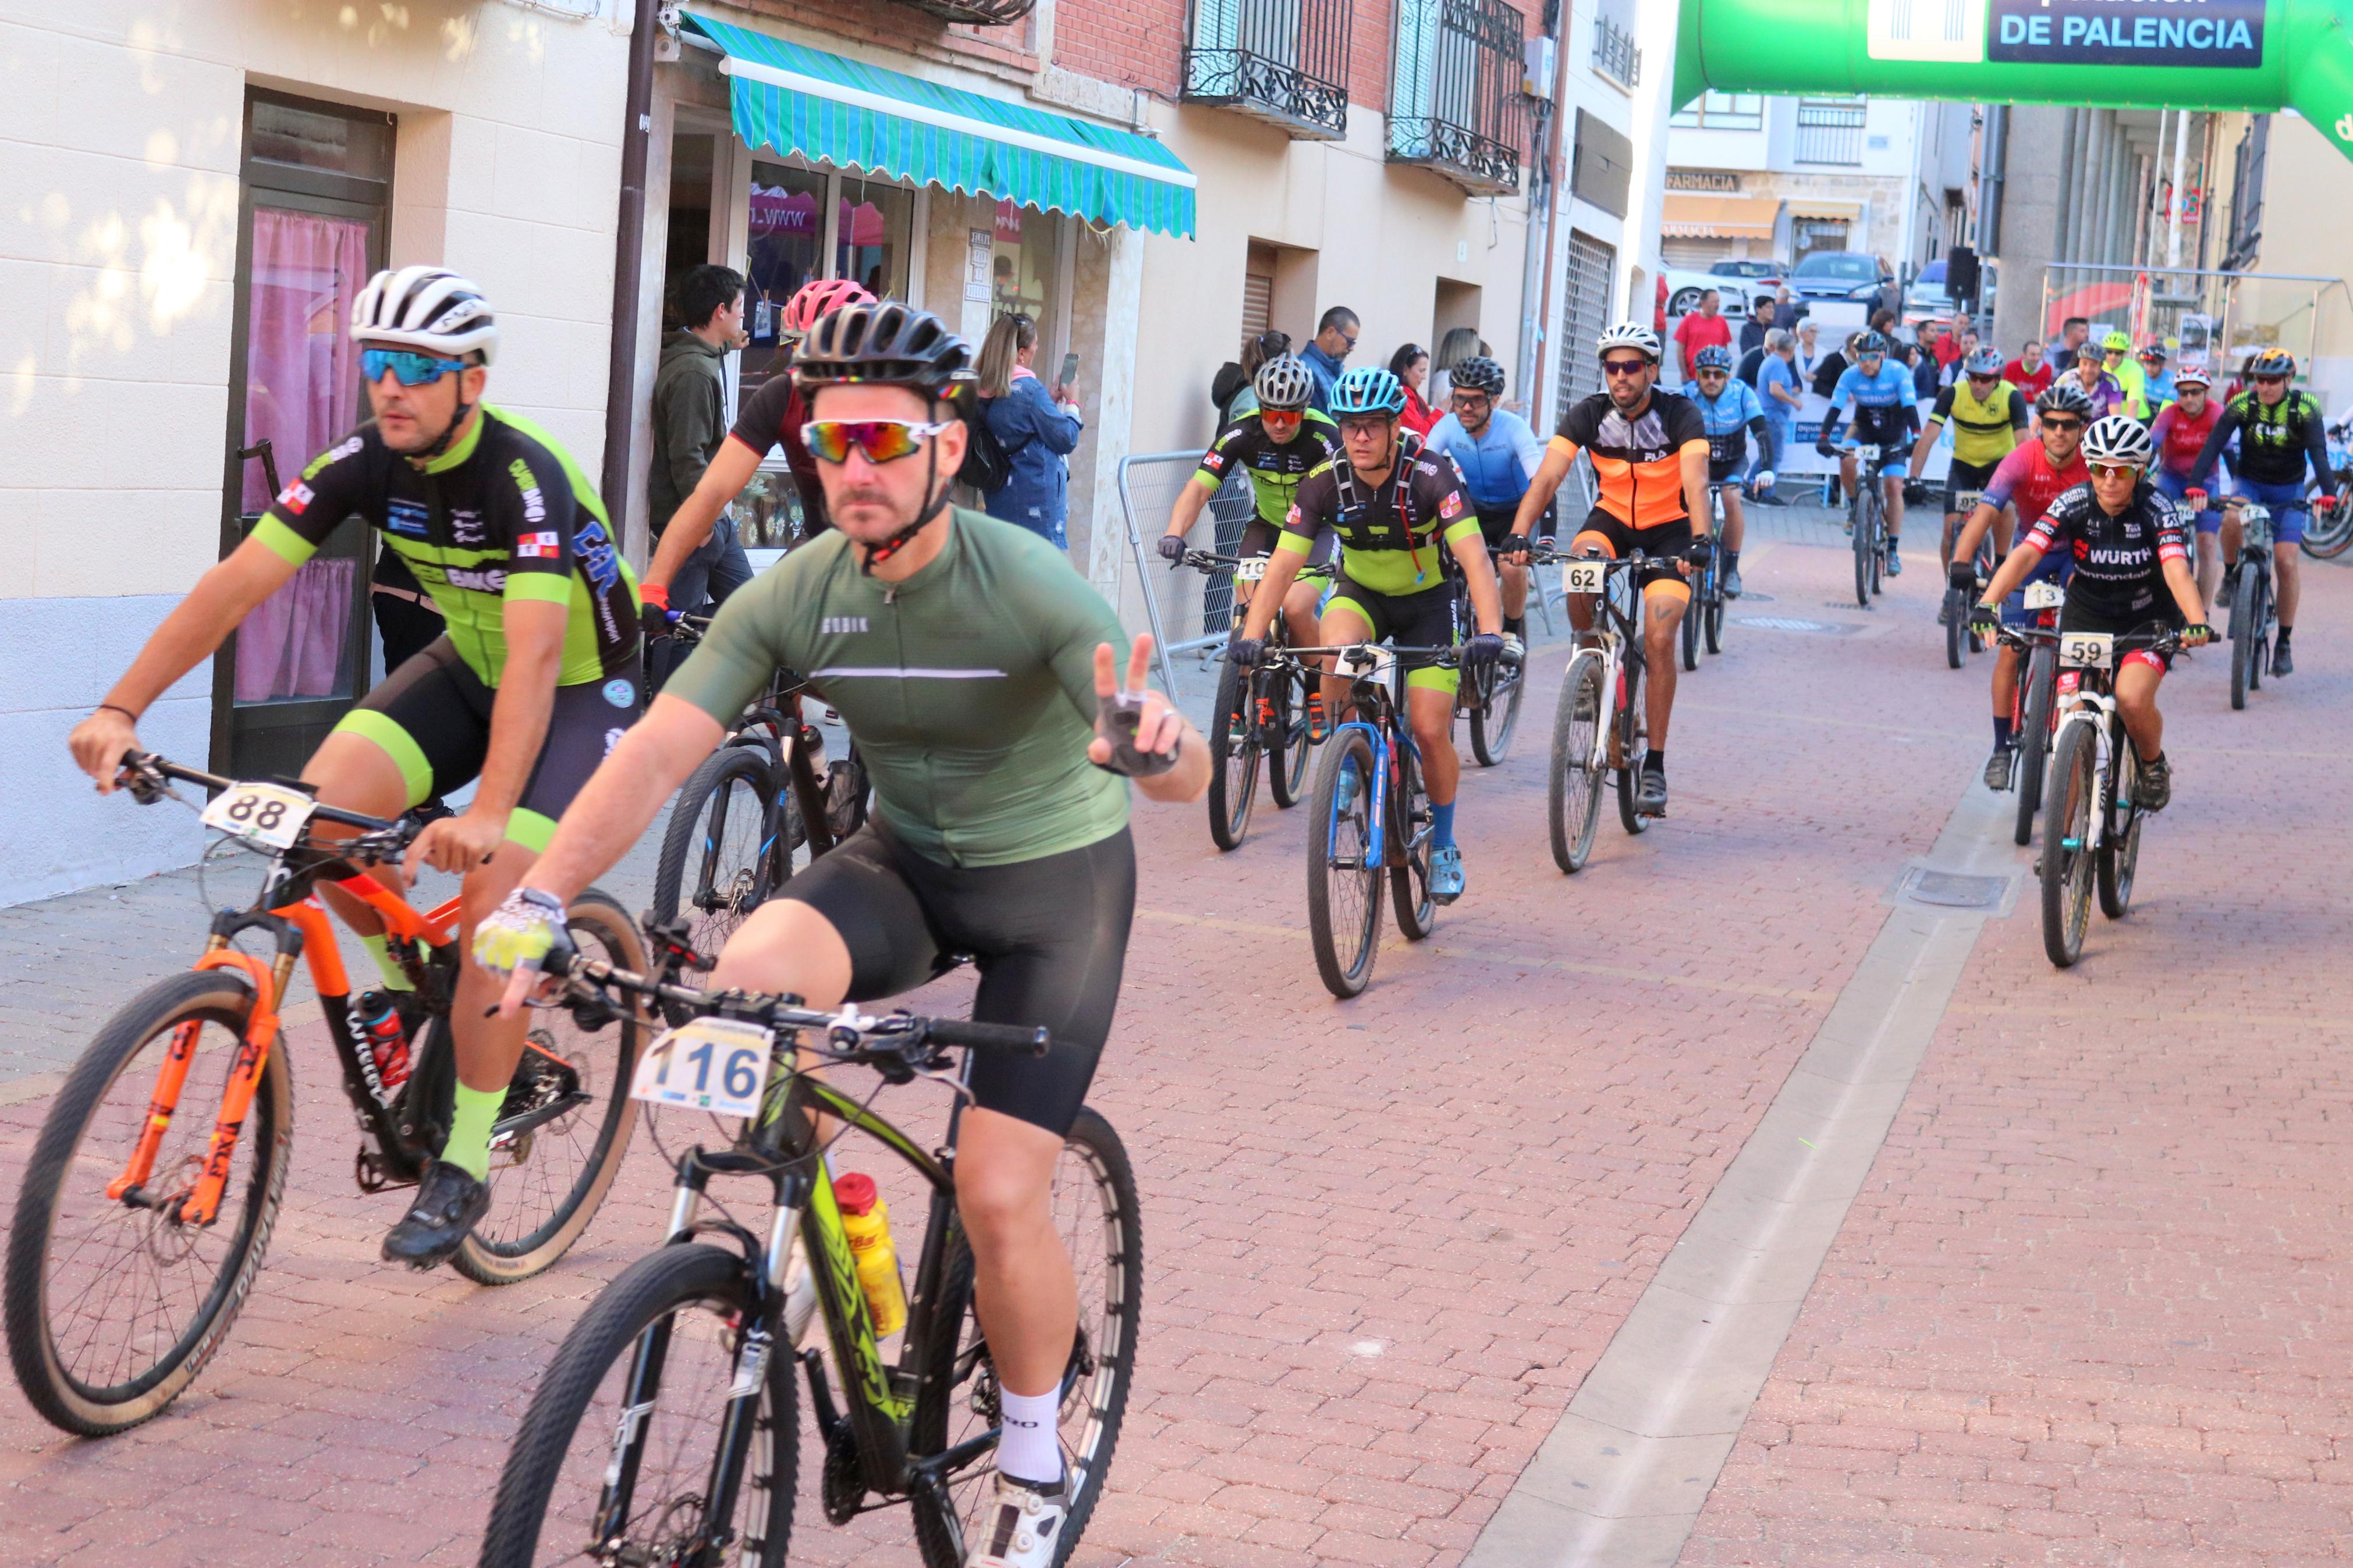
264	813
1251	570
2045	596
719	1064
2087	650
1584	576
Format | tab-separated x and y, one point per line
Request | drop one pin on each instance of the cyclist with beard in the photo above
1887	413
1730	413
1498	453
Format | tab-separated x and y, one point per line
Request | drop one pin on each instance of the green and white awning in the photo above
858	116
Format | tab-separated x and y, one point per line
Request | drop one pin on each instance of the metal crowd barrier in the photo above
1186	611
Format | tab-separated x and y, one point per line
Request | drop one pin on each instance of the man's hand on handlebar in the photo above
2197	635
1514	547
1985	619
2324	505
1962	574
517	939
2196	497
1172	548
101	743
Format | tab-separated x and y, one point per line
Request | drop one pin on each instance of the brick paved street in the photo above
2084	1312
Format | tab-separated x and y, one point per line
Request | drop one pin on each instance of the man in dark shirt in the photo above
690	420
1761	320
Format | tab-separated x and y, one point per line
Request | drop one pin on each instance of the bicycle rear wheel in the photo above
2246	633
1233	757
2066	853
1575	793
1687	633
1287	759
2326	537
1712	627
565	1129
2120	857
718	862
1344	903
114	1306
2042	677
1417	909
1096	1213
1491	727
1957	631
678	1313
1632	747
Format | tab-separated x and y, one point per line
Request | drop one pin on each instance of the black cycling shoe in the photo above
2153	786
450	1202
1651	793
2283	661
2000	766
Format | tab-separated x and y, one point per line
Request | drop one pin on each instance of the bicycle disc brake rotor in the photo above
168	1241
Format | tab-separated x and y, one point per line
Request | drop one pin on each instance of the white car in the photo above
1681	287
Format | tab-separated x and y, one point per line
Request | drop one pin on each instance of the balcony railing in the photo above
1285	61
978	12
1614	53
1455	105
1830	133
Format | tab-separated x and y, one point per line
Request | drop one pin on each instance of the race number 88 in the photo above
271	813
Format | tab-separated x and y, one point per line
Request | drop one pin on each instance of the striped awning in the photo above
859	116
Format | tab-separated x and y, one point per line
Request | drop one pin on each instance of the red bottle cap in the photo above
853	1193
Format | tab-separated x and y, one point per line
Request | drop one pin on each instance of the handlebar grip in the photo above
979	1036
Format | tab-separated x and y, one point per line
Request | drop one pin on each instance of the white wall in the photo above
121	122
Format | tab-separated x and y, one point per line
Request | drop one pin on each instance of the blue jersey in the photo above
1497	464
1729	411
1890	388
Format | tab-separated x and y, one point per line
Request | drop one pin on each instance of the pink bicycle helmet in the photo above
815	298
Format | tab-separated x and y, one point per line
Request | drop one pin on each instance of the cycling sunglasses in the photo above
1281	418
408	366
1624	366
2114	470
883	440
2061	422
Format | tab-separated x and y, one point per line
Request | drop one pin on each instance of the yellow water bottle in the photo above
867	1219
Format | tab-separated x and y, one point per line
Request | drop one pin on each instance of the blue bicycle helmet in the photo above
1715	356
1368	389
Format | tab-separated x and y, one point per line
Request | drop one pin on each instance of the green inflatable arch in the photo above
2258	54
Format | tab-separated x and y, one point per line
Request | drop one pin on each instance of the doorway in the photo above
315	197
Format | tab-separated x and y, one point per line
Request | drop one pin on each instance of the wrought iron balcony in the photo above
1455	105
979	12
1284	61
1614	53
1830	133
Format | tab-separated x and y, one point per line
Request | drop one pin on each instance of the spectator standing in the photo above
1761	320
1036	430
1703	328
2029	372
1750	363
1925	368
2071	333
1231	390
1410	365
1806	356
1336	337
690	421
1782	391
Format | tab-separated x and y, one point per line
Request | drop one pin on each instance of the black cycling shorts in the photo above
1664	544
1048	937
1966	477
1429	618
1726	470
432	716
1495	524
1885	427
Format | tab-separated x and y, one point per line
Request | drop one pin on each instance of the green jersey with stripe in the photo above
504	513
969	687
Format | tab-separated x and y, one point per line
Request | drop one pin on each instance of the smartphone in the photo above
1070	369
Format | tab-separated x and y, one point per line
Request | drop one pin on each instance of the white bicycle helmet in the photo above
2119	438
1630	335
429	309
1283	383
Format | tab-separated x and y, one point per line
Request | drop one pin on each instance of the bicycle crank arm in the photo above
515	1126
933	1469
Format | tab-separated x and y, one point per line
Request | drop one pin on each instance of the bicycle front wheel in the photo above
1576	778
561	1136
2326	537
113	1305
718	861
2067	846
640	1392
1096	1213
1233	757
1344	902
1866	547
2042	677
2246	633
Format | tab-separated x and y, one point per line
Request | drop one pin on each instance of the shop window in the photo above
871	222
1021	262
788	249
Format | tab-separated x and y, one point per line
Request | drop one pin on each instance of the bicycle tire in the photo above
1865	544
1344	903
1417	909
2067	872
1576	785
1102	1362
2117	863
724	826
1233	763
656	1288
1957	632
597	1131
2325	541
1633	747
250	1205
1286	773
2042	677
2246	634
2259	661
1713	627
1490	733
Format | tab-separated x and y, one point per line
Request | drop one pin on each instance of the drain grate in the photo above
1928	888
1793	623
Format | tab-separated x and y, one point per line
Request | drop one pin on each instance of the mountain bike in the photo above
1703	617
1867	516
1599	725
755	802
665	1430
2094	831
1959	641
139	1230
1370	819
2253	610
2033	699
2327	534
1261	717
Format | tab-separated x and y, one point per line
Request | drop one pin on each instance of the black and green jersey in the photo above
1275	467
969	687
504	514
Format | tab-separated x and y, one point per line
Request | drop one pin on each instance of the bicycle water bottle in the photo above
867	1219
387	1039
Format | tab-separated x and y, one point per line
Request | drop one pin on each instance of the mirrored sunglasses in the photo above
883	440
407	366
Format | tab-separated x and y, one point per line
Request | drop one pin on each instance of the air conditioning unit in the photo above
1539	55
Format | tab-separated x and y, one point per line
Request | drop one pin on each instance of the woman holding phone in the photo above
1036	428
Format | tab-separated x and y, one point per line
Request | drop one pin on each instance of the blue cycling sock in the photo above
1441	824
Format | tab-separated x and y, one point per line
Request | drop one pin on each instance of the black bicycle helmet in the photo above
1869	342
2066	397
1479	373
2271	362
885	342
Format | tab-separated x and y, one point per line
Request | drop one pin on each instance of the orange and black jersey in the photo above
1637	461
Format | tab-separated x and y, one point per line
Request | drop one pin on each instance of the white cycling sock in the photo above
1030	1448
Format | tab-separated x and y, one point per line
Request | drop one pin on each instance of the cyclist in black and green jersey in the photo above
1400	514
534	679
1278	445
975	670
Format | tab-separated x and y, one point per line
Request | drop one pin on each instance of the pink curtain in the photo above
302	392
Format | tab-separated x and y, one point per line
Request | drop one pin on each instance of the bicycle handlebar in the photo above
146	771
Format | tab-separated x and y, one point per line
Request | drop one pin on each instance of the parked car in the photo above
1926	299
1759	277
1850	275
1684	286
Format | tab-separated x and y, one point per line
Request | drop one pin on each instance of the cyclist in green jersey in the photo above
1285	438
975	670
533	681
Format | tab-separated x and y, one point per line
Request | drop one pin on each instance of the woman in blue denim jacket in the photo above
1037	429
